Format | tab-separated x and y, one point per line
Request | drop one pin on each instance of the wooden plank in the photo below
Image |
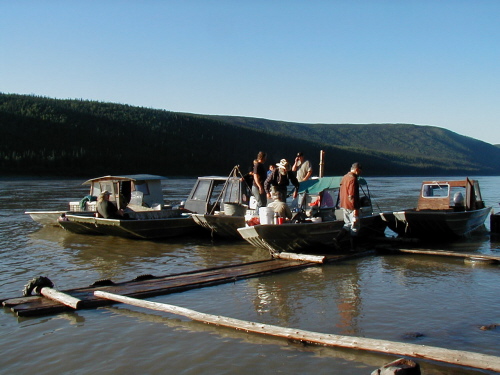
455	357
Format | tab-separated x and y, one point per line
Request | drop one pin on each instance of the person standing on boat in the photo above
280	179
302	167
259	176
107	209
350	204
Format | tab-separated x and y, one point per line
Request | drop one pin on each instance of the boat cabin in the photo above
461	195
141	190
214	193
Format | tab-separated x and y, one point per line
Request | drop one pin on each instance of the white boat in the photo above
122	186
141	198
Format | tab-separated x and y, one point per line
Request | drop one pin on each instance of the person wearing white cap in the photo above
280	179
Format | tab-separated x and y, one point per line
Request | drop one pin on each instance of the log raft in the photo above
148	286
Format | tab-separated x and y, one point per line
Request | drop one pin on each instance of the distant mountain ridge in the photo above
47	136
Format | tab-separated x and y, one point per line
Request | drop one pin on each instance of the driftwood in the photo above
455	357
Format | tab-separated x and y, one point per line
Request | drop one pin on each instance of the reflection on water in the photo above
390	297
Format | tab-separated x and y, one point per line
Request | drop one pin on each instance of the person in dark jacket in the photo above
259	177
107	209
280	179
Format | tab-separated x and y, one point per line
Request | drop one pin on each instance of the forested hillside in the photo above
43	136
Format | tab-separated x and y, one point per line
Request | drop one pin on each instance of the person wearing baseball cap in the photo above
302	167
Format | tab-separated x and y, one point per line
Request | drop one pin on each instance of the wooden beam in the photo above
60	297
455	357
302	257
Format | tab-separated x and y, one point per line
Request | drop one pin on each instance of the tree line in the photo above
44	136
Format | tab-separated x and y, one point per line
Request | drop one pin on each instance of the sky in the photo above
423	62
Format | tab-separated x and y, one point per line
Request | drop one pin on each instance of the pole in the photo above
321	163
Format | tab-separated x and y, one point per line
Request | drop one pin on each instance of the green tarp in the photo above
317	185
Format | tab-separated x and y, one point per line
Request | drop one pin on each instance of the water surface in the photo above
407	298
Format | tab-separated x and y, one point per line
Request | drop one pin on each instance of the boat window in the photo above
107	185
201	191
216	193
435	190
233	192
141	186
328	198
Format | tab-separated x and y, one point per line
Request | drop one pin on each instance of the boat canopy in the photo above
317	185
132	177
133	190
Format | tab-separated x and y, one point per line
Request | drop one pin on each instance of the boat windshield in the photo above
435	190
232	192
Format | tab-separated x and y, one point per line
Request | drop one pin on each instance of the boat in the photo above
317	222
141	198
85	206
221	204
445	210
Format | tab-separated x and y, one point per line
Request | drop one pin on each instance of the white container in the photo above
253	203
266	215
316	219
249	217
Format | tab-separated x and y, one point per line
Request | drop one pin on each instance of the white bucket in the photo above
266	215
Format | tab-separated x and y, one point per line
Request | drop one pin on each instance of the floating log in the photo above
494	258
61	297
455	357
302	257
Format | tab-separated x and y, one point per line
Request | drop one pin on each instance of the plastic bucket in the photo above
266	215
234	209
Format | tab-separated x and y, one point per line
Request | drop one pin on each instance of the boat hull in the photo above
435	224
306	237
46	217
222	225
137	229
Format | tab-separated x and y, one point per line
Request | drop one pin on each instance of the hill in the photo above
46	136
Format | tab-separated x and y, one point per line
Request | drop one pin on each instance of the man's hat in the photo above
283	164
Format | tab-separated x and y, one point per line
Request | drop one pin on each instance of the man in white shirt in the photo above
302	167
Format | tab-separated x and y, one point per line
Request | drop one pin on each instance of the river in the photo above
390	297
